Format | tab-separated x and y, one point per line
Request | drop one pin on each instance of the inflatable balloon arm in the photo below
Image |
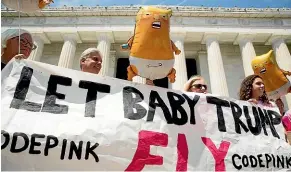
176	50
128	45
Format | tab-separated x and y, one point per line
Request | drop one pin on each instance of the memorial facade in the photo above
217	43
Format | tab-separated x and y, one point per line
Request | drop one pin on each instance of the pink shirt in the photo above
286	120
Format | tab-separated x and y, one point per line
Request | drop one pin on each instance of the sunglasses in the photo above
26	43
199	86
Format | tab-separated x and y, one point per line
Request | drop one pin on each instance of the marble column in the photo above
202	67
37	53
283	58
68	51
215	66
180	64
104	48
113	64
248	53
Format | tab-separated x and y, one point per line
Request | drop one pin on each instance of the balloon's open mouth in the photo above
160	64
263	71
156	25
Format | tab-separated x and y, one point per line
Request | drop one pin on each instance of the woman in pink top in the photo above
286	120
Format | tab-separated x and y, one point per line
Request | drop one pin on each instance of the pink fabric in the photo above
286	120
265	104
142	155
218	154
182	151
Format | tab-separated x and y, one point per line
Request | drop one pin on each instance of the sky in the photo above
206	3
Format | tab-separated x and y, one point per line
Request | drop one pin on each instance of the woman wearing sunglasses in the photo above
15	46
196	84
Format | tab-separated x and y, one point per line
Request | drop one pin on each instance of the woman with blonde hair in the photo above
196	84
15	43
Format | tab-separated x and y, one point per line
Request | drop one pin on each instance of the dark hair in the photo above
246	88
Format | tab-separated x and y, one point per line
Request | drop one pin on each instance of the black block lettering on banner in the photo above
219	104
15	137
130	103
192	104
280	161
269	121
91	97
49	104
33	143
18	101
77	150
154	96
255	130
6	137
238	167
237	112
274	160
245	161
90	150
64	146
49	145
176	102
288	161
268	160
253	161
260	160
263	120
275	117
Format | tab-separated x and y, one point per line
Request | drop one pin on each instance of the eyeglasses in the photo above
199	86
33	47
93	58
26	43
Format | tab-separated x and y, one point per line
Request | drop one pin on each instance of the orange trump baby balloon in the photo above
26	5
151	49
276	82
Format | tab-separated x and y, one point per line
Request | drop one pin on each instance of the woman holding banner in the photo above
196	84
280	105
286	121
15	43
252	89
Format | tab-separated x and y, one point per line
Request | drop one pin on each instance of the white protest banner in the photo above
60	119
